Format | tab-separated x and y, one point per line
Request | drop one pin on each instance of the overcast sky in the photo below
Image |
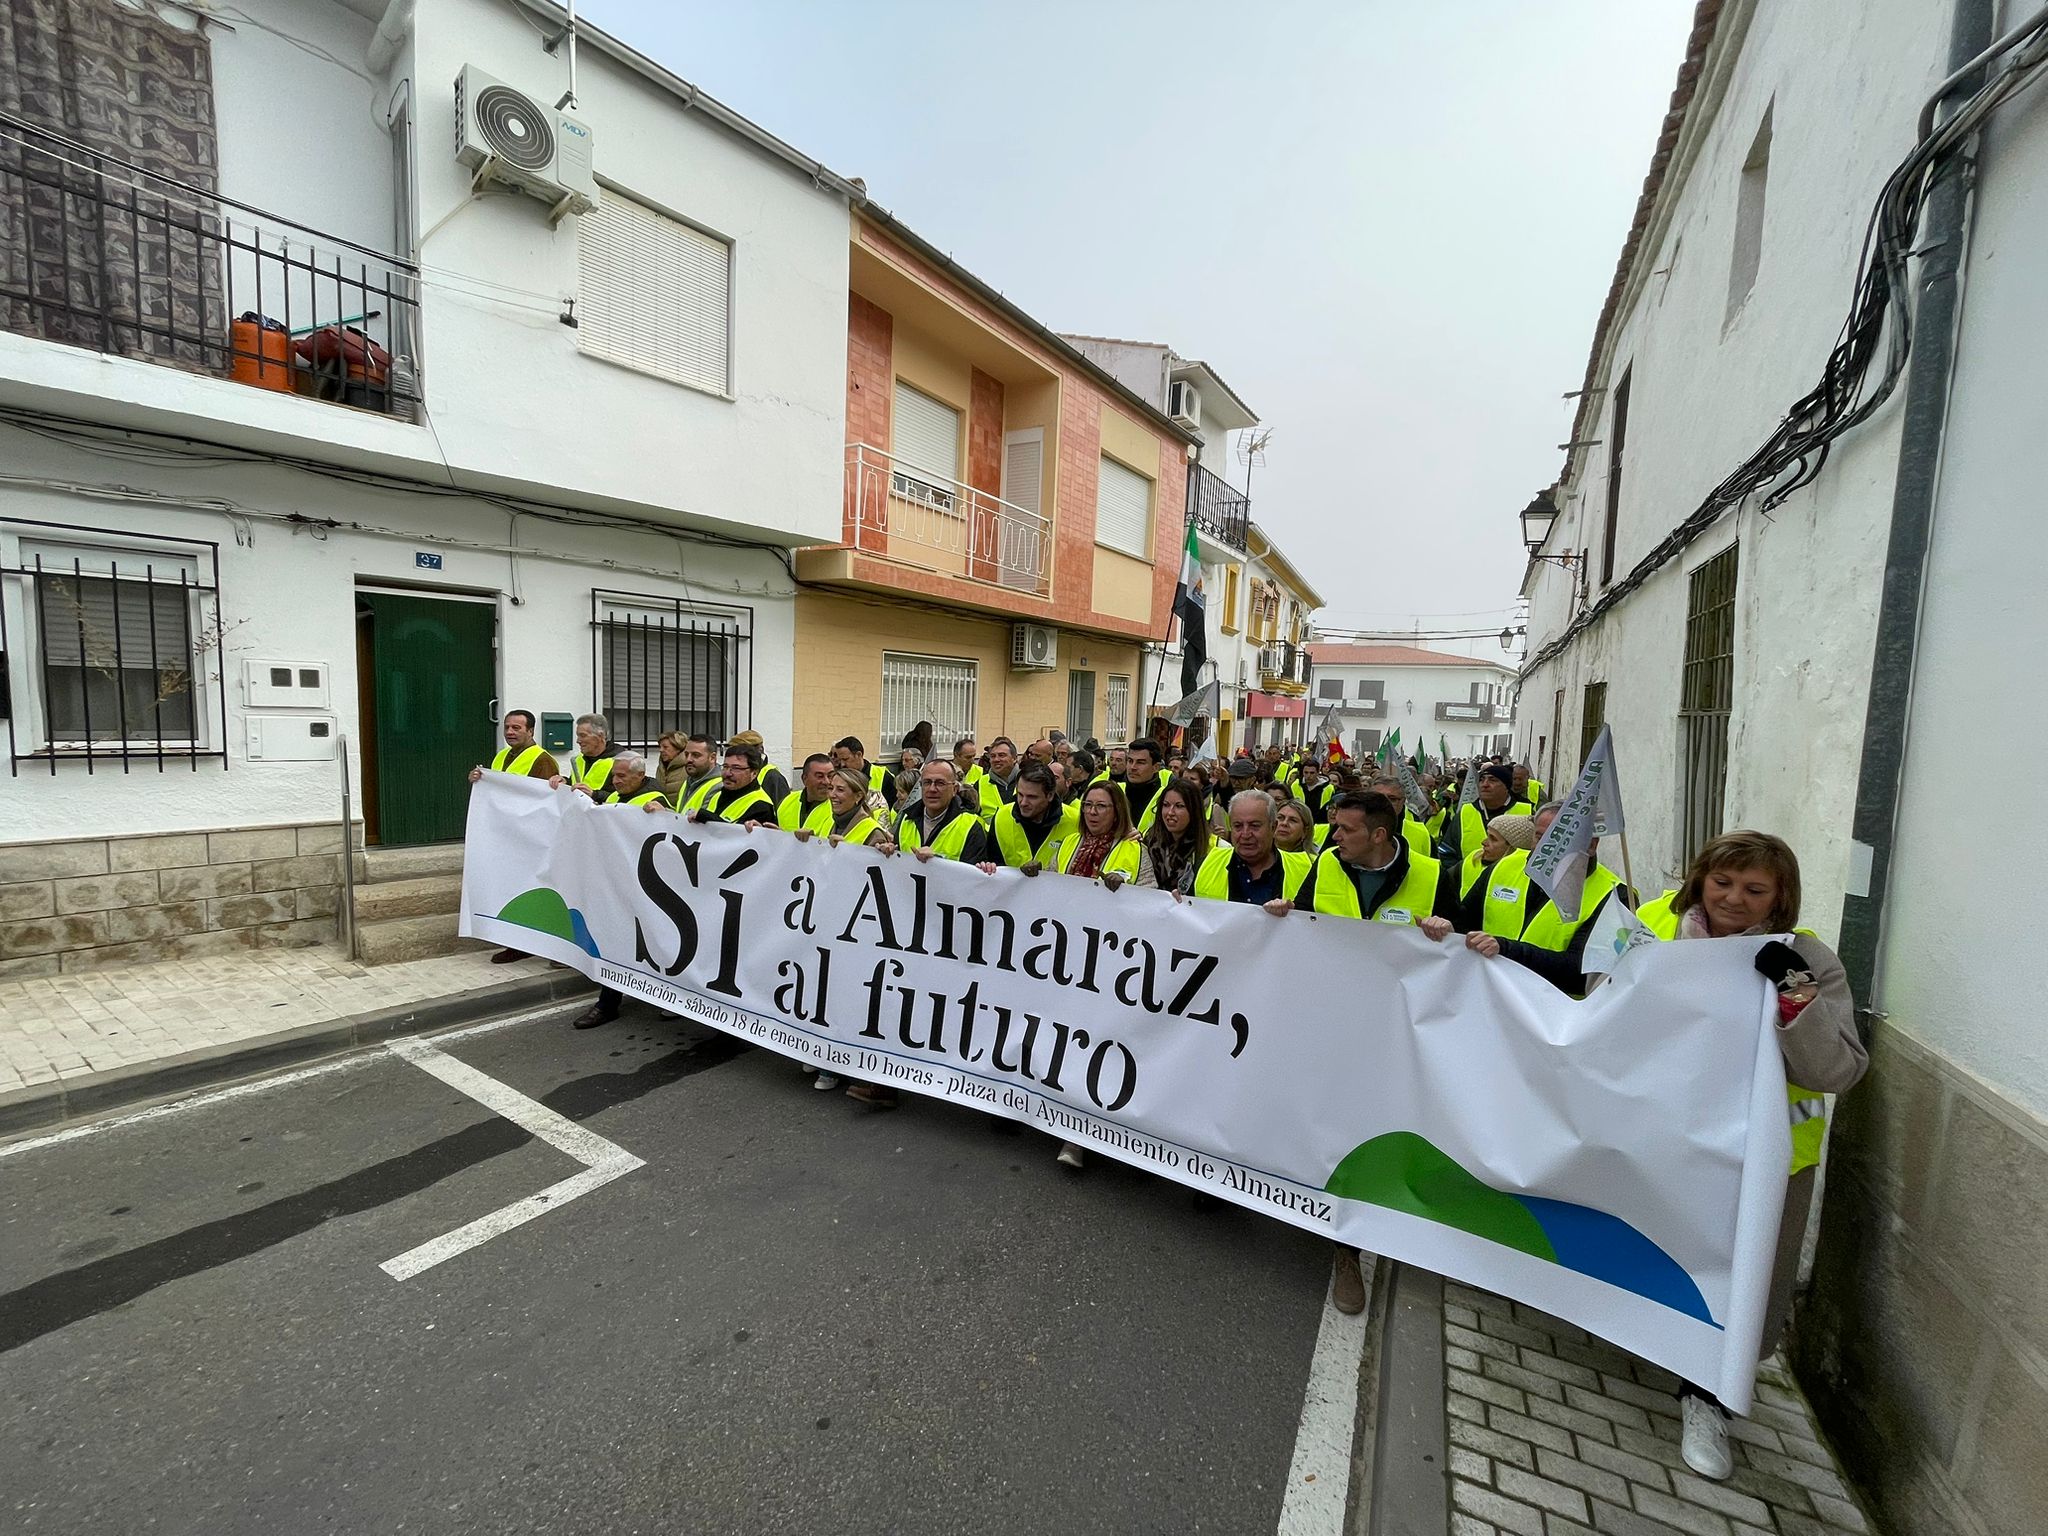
1389	226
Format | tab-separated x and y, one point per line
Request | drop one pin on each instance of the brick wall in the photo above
870	392
92	903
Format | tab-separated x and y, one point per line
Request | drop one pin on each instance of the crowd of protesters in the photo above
1442	847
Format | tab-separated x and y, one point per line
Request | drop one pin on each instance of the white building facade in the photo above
1440	702
1820	668
1258	604
533	428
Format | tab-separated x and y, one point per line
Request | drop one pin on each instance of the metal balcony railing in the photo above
1283	662
1221	510
917	516
96	251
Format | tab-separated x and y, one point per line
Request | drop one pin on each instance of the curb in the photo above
43	1105
1410	1490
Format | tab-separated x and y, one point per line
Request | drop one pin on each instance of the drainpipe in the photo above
1928	379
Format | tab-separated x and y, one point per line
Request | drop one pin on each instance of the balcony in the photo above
1221	511
1283	667
917	517
100	253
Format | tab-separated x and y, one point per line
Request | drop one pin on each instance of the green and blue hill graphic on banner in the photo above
1406	1172
544	911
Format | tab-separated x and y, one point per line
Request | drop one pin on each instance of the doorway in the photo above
1080	706
426	694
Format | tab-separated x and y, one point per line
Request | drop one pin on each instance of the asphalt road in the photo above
799	1316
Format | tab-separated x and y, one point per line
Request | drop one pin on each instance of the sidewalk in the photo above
1553	1433
81	1044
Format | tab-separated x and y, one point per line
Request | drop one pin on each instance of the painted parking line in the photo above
1319	1478
602	1160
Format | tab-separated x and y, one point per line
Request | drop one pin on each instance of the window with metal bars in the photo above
1592	719
940	689
663	664
110	650
1116	709
1706	698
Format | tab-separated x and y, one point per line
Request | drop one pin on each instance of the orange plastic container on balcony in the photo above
262	356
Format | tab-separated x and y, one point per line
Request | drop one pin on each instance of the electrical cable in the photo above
1795	454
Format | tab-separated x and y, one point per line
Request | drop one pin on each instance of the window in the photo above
1749	218
940	689
1123	509
1617	439
1230	599
1330	688
1080	705
665	665
1592	720
1707	693
111	649
1116	710
924	441
656	294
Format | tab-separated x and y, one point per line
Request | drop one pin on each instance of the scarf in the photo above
1694	925
1088	856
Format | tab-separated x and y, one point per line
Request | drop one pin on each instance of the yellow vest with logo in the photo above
592	774
1212	880
1550	929
790	815
1809	1110
949	844
739	807
521	764
649	794
1016	849
1120	860
1505	905
1412	900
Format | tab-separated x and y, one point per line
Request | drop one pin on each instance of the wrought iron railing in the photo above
1220	509
920	517
96	251
114	661
665	665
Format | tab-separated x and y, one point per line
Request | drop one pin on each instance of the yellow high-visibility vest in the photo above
790	815
1412	900
1121	860
522	764
1212	880
1016	848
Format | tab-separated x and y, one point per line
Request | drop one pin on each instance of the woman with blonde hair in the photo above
1294	829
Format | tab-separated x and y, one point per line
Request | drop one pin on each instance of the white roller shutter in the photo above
657	294
1123	509
925	435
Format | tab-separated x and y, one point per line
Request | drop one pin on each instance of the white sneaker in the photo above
1705	1441
1070	1155
826	1081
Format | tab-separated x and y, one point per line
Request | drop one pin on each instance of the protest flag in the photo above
1563	859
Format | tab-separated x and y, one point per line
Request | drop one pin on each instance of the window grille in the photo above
1116	710
940	689
663	664
1707	694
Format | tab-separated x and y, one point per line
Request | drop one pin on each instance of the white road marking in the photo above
1319	1478
603	1160
259	1085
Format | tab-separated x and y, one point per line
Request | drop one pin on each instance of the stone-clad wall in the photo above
89	903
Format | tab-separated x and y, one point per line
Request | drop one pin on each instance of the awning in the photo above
1275	706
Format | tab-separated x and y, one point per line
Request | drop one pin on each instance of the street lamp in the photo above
1537	518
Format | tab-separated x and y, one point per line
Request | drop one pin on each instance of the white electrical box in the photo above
291	738
285	684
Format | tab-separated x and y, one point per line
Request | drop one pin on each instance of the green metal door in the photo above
433	661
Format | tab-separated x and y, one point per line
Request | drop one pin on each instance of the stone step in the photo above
411	938
421	896
384	864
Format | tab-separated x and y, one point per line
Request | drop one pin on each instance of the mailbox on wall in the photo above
558	732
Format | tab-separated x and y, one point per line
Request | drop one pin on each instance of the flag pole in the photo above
1628	875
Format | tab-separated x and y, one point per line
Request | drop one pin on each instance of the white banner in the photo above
1619	1162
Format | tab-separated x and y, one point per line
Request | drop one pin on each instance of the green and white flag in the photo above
1564	858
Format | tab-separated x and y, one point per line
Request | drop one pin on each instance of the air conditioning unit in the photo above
1033	647
1273	660
1184	405
504	135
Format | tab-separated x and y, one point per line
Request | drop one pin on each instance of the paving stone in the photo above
1533	1383
1594	1354
1562	1370
51	861
1792	1469
166	851
1514	1332
1652	1447
1522	1427
1494	1392
1461	1359
1787	1421
1840	1513
1478	1301
1606	1407
1479	1343
1488	1505
1690	1518
1610	1520
1655	1376
1468	1409
1465	1525
1588	1479
1731	1502
1470	1464
1649	1399
1541	1491
1492	1443
1587	1425
1626	1464
1556	1327
1460	1317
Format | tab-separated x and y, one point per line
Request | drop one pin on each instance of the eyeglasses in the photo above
940	783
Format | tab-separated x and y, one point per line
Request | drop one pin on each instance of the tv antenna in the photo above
1251	453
